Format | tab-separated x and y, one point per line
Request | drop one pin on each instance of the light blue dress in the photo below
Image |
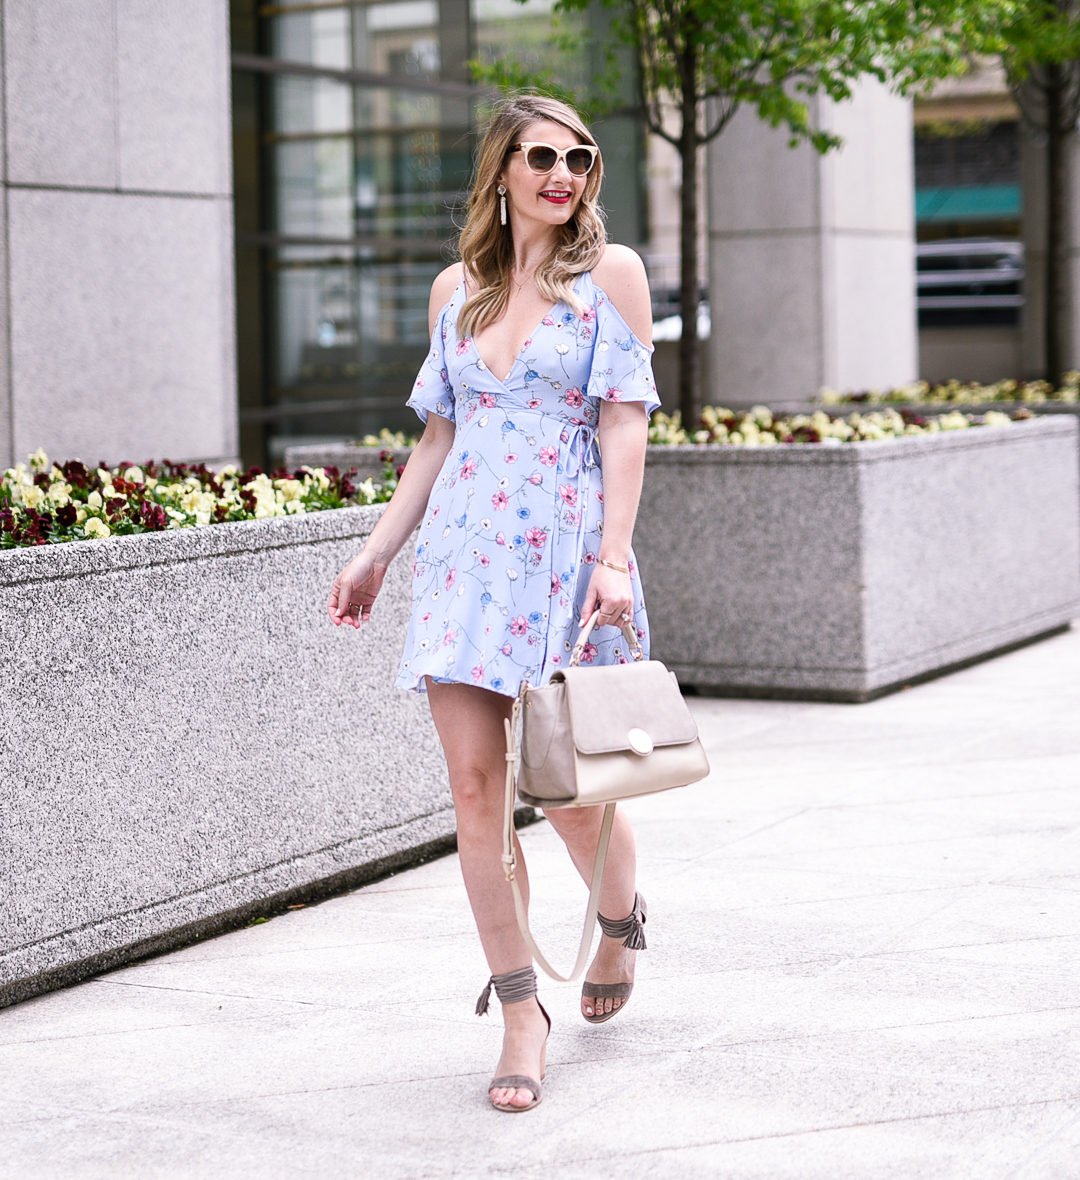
513	525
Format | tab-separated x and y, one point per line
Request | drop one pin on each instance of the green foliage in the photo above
769	54
1032	33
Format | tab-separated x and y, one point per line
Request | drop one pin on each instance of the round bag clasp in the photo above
640	742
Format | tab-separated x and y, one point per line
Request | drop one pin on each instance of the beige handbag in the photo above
594	736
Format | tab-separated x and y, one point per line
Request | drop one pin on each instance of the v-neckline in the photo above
528	340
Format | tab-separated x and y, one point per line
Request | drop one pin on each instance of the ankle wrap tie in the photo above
632	929
511	988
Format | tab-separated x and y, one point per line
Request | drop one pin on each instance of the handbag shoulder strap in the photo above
509	861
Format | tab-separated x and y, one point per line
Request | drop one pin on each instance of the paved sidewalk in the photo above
864	956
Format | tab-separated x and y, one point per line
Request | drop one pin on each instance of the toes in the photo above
504	1096
587	1005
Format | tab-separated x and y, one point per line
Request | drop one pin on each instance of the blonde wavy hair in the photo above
487	248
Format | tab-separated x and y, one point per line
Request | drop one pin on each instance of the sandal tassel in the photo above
510	987
630	929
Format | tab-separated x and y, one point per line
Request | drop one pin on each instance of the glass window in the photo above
353	153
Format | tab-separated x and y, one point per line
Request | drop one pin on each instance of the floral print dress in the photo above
513	525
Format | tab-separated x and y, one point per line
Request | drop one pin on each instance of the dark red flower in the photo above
75	473
153	517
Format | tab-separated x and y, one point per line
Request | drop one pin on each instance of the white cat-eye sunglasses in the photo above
541	158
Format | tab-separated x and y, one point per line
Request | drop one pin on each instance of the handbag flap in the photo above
607	703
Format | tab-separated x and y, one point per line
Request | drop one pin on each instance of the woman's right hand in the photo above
355	590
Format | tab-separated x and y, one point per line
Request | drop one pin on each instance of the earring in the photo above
502	204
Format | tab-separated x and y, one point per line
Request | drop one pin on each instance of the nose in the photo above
560	174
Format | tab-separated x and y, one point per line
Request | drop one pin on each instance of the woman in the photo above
534	373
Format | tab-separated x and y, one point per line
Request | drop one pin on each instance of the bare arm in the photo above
357	586
623	434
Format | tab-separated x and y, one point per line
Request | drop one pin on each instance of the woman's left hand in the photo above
611	591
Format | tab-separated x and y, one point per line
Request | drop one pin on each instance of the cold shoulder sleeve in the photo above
621	366
432	392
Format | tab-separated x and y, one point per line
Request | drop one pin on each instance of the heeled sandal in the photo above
511	988
632	931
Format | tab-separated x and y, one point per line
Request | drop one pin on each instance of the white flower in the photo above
32	496
602	346
39	461
446	532
511	574
504	482
291	489
485	524
134	474
562	349
96	528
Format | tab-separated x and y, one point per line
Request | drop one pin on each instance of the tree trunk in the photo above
1055	225
689	288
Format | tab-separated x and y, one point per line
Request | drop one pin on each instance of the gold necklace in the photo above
521	286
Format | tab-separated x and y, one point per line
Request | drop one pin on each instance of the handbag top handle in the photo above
627	630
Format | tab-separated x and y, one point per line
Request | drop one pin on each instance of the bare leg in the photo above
579	828
470	725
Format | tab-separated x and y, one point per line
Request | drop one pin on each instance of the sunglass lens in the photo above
541	159
579	162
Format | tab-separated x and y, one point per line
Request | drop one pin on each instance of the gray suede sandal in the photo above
512	988
632	931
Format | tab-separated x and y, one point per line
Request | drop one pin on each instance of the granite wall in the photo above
841	572
117	336
186	740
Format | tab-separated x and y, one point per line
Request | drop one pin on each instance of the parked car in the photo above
969	281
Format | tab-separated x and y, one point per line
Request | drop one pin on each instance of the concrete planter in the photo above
188	742
840	572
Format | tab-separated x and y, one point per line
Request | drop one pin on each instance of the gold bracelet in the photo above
623	569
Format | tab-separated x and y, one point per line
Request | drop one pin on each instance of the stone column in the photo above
812	257
117	336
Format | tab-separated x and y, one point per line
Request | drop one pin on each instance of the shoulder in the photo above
441	289
621	273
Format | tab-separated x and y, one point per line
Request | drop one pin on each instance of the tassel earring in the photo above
502	204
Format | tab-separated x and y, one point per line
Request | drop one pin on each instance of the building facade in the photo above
116	231
354	136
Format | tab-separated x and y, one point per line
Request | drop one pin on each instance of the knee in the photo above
477	792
